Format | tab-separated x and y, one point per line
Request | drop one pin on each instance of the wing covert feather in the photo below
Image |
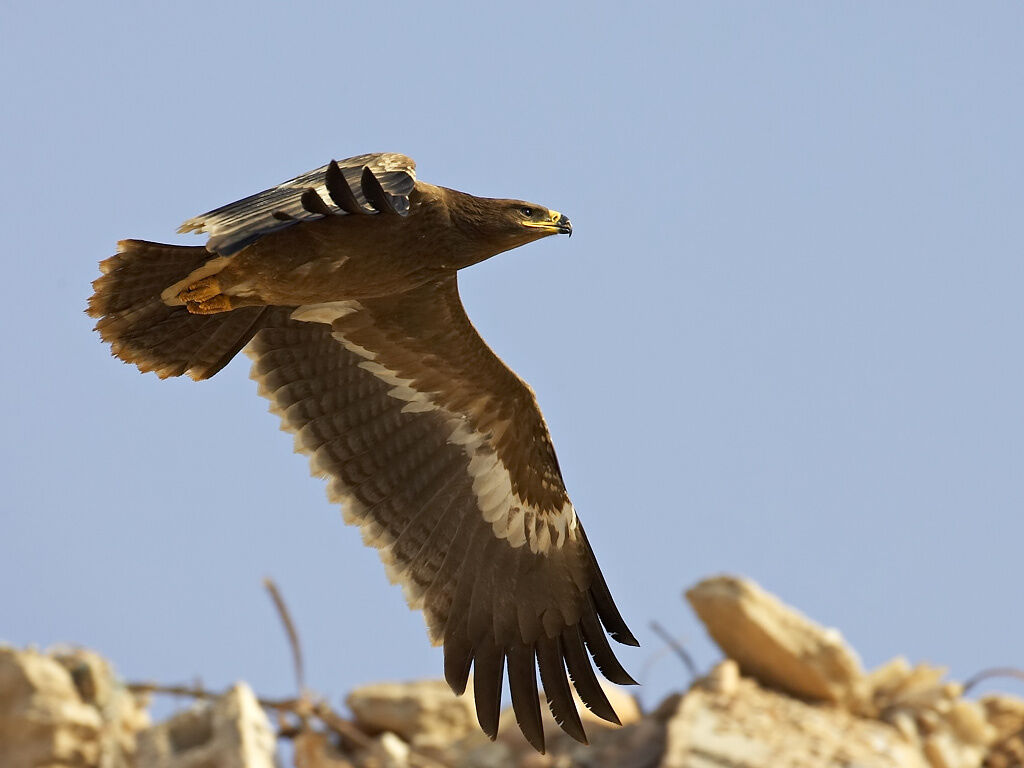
310	196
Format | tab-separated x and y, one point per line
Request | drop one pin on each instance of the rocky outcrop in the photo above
789	694
231	731
65	709
782	649
425	714
728	720
775	644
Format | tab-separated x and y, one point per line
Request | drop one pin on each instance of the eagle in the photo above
341	286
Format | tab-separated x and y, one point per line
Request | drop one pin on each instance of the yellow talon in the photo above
220	303
201	290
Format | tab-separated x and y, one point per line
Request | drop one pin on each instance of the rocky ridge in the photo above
788	694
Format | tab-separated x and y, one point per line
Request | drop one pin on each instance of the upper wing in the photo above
379	182
439	452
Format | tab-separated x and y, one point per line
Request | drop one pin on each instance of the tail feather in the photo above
143	330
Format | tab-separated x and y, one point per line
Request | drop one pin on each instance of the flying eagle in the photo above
341	285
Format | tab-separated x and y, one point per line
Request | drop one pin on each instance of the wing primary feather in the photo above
488	666
339	190
603	602
458	655
522	684
583	677
313	203
596	641
375	193
463	549
556	688
480	610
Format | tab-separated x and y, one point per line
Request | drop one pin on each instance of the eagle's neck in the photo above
477	225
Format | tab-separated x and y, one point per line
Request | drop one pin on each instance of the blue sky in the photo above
784	340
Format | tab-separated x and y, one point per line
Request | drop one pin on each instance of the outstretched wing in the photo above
365	184
440	454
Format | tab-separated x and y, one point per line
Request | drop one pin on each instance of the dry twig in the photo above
676	646
987	674
289	628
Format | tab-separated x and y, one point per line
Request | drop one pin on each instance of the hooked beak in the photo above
557	223
564	225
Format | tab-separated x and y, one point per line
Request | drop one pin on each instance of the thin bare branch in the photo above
676	646
197	692
987	674
289	628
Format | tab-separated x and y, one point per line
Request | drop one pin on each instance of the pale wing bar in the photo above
373	183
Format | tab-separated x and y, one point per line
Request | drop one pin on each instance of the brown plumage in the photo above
341	285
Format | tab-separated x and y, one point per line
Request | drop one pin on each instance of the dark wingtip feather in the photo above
313	203
488	666
375	193
339	190
629	639
605	659
583	677
522	684
605	605
609	613
557	691
457	660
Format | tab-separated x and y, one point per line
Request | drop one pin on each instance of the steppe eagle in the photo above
341	286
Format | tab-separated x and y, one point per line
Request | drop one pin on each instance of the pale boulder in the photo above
63	709
231	731
423	713
776	644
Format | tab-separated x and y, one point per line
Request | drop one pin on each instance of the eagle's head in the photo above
493	225
534	221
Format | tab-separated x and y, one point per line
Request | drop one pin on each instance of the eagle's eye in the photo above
526	211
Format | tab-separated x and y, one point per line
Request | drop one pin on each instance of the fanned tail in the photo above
141	329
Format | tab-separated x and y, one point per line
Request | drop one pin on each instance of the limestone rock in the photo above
124	713
431	719
1006	715
64	710
751	726
724	678
897	686
387	751
231	731
423	713
311	749
789	694
776	644
953	732
943	750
